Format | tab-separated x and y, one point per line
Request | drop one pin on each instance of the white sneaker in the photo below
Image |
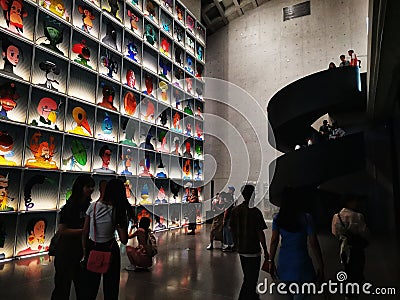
210	246
224	246
130	268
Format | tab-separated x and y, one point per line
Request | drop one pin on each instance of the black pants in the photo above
192	216
251	269
68	269
355	267
110	279
192	226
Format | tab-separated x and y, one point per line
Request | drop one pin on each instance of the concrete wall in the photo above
194	6
261	54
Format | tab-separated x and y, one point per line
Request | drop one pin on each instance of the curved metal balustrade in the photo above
293	109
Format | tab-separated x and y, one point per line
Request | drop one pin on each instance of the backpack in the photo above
151	244
349	241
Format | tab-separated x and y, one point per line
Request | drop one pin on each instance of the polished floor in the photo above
184	269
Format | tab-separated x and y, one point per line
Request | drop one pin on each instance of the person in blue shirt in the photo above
295	228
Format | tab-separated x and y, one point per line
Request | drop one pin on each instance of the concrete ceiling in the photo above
218	13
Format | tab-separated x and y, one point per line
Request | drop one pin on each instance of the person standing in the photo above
193	199
102	219
325	130
350	228
295	228
69	247
217	223
247	224
354	61
227	233
343	61
231	193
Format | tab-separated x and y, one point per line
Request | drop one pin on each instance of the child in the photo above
138	256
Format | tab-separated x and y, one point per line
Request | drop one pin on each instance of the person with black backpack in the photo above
142	255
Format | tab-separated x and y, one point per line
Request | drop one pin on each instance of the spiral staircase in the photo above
339	92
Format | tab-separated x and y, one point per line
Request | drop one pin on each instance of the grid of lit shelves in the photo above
113	89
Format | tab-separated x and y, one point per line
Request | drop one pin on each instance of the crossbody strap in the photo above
94	222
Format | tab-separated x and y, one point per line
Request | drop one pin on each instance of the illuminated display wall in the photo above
105	87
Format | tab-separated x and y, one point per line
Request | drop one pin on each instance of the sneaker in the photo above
191	232
224	246
130	268
227	249
210	246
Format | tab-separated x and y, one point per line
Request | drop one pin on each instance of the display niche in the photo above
160	217
163	118
13	100
79	118
87	18
18	18
137	4
46	109
7	234
34	232
129	132
134	20
106	126
9	185
11	145
53	35
102	87
128	160
166	23
130	183
49	72
16	61
77	154
84	51
133	48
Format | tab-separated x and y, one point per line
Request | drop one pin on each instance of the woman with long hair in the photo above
69	247
108	215
295	227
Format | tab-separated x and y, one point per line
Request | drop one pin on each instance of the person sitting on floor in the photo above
138	256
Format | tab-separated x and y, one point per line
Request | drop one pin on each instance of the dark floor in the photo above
184	269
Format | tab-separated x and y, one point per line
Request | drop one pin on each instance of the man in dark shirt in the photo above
247	225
